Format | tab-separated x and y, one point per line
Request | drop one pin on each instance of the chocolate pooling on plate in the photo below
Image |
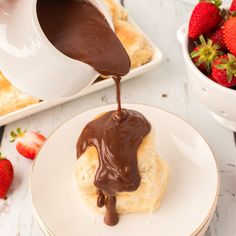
80	31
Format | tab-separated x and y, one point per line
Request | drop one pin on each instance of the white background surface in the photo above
160	19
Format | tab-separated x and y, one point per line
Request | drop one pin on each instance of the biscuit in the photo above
11	99
154	177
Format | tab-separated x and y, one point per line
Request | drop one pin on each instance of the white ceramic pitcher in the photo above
31	62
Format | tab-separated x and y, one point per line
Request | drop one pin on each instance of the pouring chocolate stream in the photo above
79	30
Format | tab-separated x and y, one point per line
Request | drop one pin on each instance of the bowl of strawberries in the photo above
209	48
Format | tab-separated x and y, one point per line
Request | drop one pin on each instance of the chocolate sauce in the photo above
101	199
111	217
119	114
80	31
117	142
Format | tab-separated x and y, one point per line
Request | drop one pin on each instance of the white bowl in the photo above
31	62
219	99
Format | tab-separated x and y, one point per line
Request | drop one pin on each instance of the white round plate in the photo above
199	233
190	198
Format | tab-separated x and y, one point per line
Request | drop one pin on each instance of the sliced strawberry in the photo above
28	143
6	176
224	70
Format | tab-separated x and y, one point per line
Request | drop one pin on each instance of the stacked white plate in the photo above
189	202
200	233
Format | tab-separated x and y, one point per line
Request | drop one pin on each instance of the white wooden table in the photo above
167	87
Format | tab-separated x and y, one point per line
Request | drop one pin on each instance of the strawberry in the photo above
204	54
230	34
233	6
218	38
205	17
224	70
28	143
210	77
6	176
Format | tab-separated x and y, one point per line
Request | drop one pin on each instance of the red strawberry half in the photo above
204	54
224	70
28	143
6	176
205	17
230	34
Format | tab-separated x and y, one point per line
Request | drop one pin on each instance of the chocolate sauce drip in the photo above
100	199
80	31
117	142
111	217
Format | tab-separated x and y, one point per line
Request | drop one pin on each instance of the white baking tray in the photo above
32	109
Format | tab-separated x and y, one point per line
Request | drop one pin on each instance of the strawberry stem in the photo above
13	136
218	3
205	53
224	14
16	134
1	156
229	65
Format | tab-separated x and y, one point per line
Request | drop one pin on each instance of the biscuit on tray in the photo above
138	48
11	99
